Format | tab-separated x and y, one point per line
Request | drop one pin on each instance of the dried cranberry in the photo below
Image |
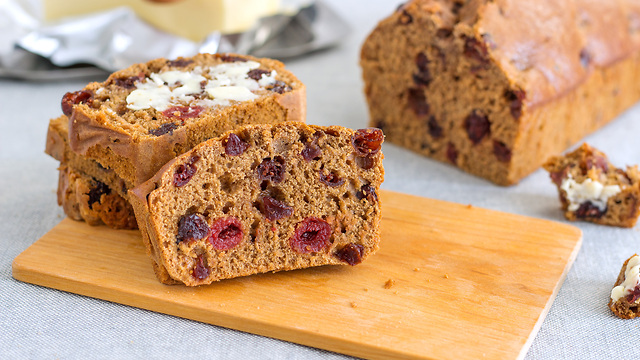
515	99
234	146
477	126
74	98
163	129
330	178
367	192
367	142
200	269
226	233
231	58
418	102
594	161
452	153
585	58
351	254
184	172
633	296
256	74
558	176
423	76
129	82
280	87
501	151
273	209
96	193
192	227
183	112
311	235
476	50
435	130
180	62
311	149
271	169
589	210
365	163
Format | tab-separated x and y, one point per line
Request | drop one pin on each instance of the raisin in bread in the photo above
491	86
625	295
86	199
57	146
145	115
592	189
263	198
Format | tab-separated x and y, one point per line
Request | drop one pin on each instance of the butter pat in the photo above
224	83
588	190
631	279
192	19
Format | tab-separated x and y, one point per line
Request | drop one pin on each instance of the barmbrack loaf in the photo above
496	87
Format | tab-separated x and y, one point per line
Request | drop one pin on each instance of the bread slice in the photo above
592	189
145	115
625	295
263	198
86	199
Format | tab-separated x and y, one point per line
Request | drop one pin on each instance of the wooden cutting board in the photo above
450	281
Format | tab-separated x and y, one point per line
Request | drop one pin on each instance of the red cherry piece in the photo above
234	146
367	142
311	235
351	254
74	98
226	233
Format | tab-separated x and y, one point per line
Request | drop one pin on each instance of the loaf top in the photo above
154	98
545	47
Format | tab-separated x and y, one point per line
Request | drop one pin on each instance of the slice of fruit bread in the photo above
263	198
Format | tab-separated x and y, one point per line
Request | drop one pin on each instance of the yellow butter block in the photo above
192	19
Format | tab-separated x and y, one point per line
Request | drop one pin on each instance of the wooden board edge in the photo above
552	297
338	345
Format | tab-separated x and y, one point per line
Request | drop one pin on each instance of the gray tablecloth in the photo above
41	323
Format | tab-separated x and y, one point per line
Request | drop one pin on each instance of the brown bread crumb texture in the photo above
627	307
263	198
491	87
83	198
585	163
136	143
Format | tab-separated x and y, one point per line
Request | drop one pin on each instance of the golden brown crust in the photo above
433	65
57	146
235	191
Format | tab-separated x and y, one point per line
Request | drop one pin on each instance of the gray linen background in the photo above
41	323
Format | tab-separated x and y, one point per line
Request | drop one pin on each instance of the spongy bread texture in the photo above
331	184
496	87
135	143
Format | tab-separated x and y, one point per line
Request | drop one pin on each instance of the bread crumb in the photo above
389	284
354	304
446	276
416	269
